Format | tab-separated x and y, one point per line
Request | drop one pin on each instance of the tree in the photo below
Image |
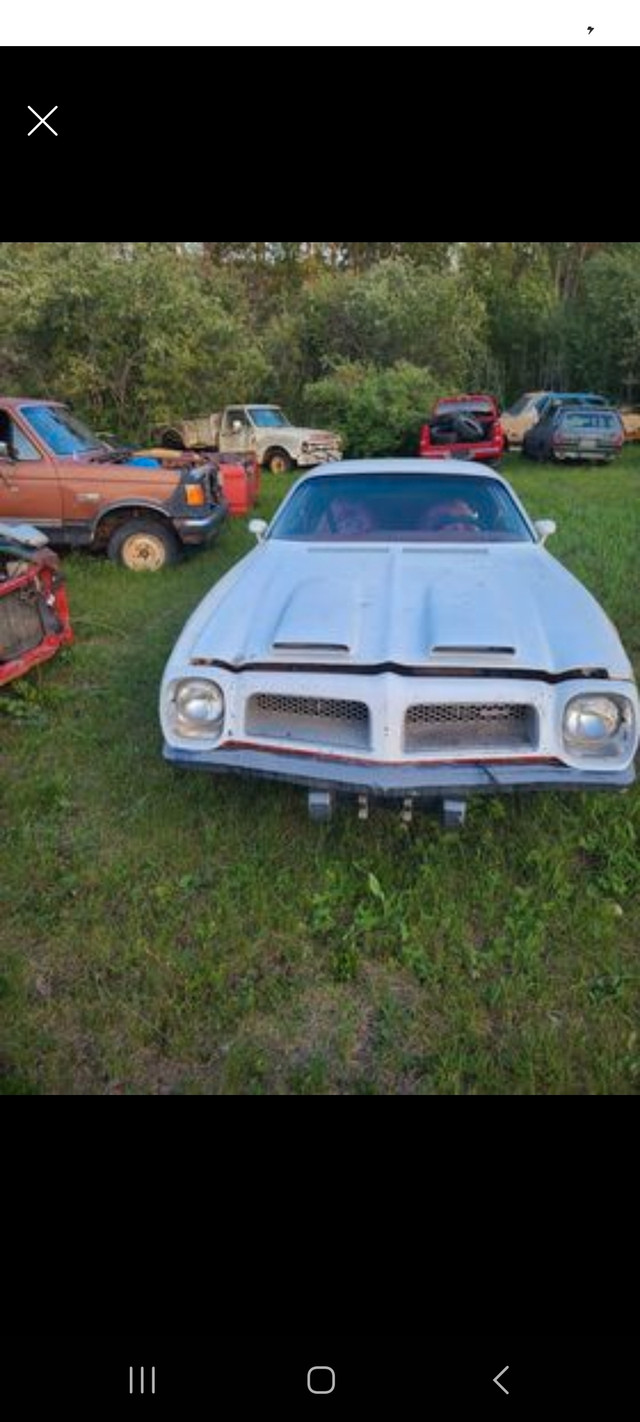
392	312
133	336
603	329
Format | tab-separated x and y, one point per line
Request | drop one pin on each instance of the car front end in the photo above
34	612
198	507
398	736
318	447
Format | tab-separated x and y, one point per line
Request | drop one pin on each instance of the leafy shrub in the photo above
375	411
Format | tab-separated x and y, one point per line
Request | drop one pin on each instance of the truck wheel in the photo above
143	546
278	461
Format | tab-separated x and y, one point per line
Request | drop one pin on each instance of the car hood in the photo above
314	436
510	606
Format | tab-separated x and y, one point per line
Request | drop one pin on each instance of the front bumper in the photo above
199	530
310	457
586	456
425	782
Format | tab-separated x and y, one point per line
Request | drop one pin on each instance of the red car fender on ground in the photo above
34	611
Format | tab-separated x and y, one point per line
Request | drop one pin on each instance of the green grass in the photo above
168	933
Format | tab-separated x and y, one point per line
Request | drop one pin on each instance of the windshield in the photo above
586	420
521	405
62	431
267	418
399	508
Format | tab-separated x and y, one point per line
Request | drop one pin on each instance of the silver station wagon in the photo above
400	630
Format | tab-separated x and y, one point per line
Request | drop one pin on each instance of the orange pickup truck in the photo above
57	474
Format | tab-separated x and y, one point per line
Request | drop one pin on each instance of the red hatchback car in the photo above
34	613
464	427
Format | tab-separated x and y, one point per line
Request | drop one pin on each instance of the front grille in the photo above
320	720
21	626
469	727
212	483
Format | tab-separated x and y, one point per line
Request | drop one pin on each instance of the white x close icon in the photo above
42	120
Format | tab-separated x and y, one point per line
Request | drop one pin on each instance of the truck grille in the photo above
21	626
469	727
321	721
212	483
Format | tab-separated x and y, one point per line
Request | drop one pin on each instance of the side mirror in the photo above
5	452
258	527
544	527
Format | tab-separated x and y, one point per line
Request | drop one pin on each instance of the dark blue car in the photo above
593	433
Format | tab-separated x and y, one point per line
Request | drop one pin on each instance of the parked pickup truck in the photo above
464	427
57	474
261	430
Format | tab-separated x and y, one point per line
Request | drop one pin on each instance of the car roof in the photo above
439	467
575	395
17	400
594	410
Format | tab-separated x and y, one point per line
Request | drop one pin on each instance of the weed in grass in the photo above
310	1078
246	1070
606	987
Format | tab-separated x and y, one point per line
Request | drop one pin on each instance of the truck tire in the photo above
143	545
168	437
278	461
468	429
442	431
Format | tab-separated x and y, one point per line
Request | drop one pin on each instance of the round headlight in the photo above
199	707
591	720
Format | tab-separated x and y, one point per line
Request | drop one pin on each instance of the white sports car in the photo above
400	630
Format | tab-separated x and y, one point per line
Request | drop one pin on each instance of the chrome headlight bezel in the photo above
599	726
196	708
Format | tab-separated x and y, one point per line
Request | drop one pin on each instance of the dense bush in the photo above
376	411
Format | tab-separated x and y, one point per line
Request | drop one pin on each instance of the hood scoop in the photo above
319	618
479	650
281	646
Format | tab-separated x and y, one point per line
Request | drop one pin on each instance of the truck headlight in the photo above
198	707
598	725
